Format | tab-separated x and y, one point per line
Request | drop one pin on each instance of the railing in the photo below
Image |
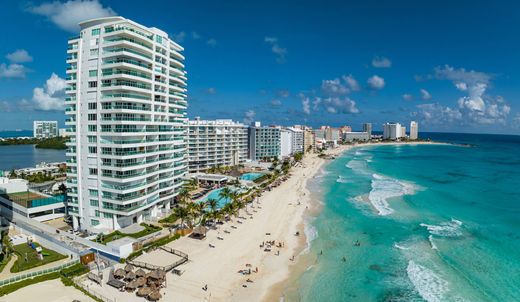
78	282
128	50
37	273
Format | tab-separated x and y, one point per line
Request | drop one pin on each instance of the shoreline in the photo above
281	213
303	261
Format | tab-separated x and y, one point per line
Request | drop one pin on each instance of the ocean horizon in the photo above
415	223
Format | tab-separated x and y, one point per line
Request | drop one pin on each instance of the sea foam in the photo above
445	229
430	286
342	180
310	234
384	188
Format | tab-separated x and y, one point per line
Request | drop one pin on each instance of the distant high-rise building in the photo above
309	141
264	142
344	129
414	130
392	131
367	127
285	142
126	108
45	129
403	131
216	143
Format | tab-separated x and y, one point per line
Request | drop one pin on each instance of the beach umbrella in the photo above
156	274
130	276
119	273
154	296
131	286
140	273
144	291
141	281
129	268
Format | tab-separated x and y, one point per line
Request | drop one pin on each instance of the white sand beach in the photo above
277	216
47	291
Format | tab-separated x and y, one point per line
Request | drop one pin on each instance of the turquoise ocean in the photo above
433	222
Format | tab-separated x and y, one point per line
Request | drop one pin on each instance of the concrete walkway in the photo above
6	273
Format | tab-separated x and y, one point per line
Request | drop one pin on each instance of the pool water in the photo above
215	194
251	176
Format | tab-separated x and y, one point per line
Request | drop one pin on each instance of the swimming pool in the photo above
215	194
251	176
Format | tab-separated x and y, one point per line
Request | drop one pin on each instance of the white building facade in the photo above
414	130
286	138
350	137
392	131
126	108
216	143
45	129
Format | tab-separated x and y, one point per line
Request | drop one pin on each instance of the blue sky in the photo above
451	65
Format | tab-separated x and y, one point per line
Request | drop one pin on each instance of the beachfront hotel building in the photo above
291	141
126	116
45	129
367	127
414	130
216	143
264	142
392	131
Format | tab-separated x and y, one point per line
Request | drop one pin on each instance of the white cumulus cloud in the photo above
376	82
67	15
51	96
19	56
381	62
351	82
12	71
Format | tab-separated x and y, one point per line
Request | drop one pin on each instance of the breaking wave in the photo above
430	286
445	229
384	188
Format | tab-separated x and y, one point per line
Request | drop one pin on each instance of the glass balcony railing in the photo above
133	62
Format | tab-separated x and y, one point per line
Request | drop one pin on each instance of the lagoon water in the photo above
24	156
434	223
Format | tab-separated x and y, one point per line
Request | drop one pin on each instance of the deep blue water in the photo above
434	223
23	156
21	133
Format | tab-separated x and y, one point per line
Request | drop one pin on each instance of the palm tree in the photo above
184	196
212	204
225	193
192	209
182	214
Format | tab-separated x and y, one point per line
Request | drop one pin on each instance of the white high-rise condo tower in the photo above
126	108
392	131
216	143
414	130
45	129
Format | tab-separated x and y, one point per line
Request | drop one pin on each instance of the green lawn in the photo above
148	229
24	250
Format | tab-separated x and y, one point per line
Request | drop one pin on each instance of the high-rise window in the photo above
96	31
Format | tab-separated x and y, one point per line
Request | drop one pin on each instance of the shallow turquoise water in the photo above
435	223
251	176
215	194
